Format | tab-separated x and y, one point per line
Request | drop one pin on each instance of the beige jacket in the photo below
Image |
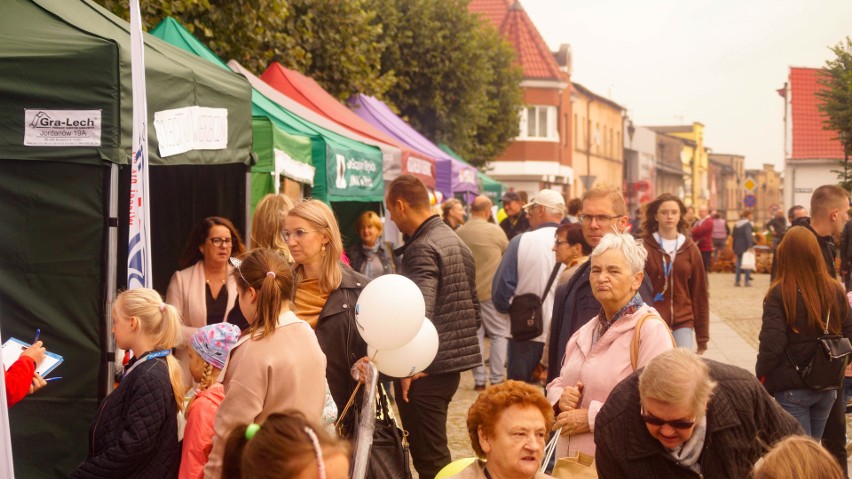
487	242
285	370
186	293
474	471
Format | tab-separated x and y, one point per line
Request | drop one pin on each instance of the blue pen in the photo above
38	333
53	379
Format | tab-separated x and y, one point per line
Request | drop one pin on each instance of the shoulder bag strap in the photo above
348	405
550	281
634	345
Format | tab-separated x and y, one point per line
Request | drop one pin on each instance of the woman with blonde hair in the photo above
797	457
802	303
267	224
326	292
277	363
135	432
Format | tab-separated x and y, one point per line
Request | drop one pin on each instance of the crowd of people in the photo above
597	323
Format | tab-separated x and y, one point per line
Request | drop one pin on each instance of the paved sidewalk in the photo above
727	346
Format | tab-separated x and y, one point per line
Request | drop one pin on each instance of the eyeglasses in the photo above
655	421
602	220
560	242
297	234
218	242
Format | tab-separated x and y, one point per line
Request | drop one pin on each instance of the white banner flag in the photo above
139	239
6	467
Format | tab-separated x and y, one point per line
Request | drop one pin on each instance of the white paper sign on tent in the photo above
191	128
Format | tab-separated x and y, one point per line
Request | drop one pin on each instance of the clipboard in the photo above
13	348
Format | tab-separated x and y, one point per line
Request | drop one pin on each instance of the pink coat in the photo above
603	365
198	435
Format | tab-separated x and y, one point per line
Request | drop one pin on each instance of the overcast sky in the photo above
717	62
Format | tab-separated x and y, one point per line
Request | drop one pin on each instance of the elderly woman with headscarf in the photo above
508	425
624	337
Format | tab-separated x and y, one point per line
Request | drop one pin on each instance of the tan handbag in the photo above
578	466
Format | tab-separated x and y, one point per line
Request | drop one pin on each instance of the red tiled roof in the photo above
810	139
510	19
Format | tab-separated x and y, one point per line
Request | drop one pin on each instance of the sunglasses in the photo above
655	421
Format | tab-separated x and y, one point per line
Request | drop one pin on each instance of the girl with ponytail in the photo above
277	363
135	433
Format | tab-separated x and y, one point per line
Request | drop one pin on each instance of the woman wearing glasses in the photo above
203	290
676	271
602	352
326	291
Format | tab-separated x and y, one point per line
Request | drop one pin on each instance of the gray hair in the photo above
633	250
678	376
555	211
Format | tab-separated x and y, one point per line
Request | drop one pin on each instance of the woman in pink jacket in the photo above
600	354
208	350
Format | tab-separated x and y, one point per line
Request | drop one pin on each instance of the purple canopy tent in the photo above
452	176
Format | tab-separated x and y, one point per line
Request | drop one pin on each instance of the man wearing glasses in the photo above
602	212
683	416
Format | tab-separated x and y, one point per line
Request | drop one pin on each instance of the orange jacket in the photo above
198	435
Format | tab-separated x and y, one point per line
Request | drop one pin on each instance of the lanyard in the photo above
667	267
153	355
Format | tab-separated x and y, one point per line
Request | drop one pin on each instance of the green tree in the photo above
456	80
836	102
335	42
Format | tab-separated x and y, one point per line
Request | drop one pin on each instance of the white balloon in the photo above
390	311
411	358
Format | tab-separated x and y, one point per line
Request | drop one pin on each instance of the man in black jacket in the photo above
829	205
603	211
685	417
437	260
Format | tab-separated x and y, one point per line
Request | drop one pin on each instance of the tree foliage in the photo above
836	102
457	82
451	76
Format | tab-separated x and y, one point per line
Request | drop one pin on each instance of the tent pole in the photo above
247	229
111	272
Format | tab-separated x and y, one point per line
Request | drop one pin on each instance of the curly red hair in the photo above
489	406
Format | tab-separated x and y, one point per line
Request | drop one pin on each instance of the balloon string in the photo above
374	356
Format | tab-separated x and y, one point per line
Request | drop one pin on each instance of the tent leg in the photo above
112	271
247	229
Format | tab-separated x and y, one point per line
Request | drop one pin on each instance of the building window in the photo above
576	145
538	123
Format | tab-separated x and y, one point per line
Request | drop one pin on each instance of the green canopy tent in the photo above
65	196
270	141
349	170
487	185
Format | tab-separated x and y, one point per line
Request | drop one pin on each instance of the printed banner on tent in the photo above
350	174
295	170
191	128
62	127
139	238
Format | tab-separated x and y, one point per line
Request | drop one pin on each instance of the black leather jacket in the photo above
338	335
442	266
